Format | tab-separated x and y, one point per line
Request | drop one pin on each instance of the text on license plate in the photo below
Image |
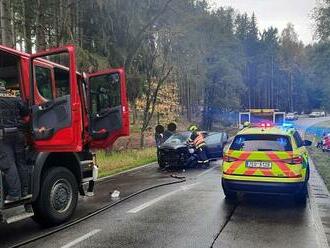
259	164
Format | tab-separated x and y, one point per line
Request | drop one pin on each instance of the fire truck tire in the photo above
58	197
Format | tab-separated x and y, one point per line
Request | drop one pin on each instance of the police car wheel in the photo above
58	197
301	197
230	196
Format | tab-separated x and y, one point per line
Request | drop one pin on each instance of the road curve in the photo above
192	214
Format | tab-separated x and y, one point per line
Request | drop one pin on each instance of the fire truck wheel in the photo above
58	197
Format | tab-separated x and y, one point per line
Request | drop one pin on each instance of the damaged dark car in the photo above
175	152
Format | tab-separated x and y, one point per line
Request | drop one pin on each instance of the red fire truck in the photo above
254	116
71	114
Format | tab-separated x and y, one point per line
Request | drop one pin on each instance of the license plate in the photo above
259	164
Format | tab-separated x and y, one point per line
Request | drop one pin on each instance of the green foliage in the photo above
115	162
319	77
322	18
321	159
219	59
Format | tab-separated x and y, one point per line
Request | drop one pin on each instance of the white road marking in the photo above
82	238
205	172
149	203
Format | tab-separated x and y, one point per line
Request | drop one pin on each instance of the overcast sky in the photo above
277	13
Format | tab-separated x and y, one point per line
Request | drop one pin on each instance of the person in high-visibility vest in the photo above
12	144
197	140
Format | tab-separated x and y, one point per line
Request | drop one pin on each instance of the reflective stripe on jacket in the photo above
197	139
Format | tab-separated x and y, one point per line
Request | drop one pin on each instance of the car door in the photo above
242	118
279	118
108	107
300	145
56	106
214	145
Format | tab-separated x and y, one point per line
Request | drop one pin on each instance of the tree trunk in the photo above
142	139
6	35
40	32
12	31
134	113
27	28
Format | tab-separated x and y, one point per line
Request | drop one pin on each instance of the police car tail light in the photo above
295	160
229	159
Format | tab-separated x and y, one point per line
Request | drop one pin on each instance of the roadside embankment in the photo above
321	159
118	161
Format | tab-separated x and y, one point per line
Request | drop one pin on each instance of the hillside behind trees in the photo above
218	59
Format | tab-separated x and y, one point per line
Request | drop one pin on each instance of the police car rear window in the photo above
261	142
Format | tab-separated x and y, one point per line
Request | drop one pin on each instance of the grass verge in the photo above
118	161
321	159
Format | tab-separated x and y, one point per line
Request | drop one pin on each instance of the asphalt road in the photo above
190	214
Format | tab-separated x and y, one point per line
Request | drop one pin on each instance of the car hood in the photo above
172	146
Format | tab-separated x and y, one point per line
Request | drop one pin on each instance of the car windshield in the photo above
213	138
178	138
261	142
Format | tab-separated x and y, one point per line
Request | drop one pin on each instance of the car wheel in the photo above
231	196
307	176
161	164
301	197
58	197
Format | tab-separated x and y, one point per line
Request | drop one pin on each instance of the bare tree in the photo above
157	70
5	17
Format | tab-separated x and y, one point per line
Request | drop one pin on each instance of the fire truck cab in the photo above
71	114
255	116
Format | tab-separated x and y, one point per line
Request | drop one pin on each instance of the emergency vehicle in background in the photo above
253	116
325	143
70	114
268	159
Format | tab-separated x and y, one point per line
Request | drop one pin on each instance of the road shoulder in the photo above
319	205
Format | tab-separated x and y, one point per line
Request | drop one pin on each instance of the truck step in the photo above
22	201
16	214
19	217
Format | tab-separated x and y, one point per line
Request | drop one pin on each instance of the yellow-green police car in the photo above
266	159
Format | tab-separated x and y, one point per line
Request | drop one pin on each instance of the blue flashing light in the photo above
288	125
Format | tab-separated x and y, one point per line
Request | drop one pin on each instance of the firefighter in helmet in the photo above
12	144
197	140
